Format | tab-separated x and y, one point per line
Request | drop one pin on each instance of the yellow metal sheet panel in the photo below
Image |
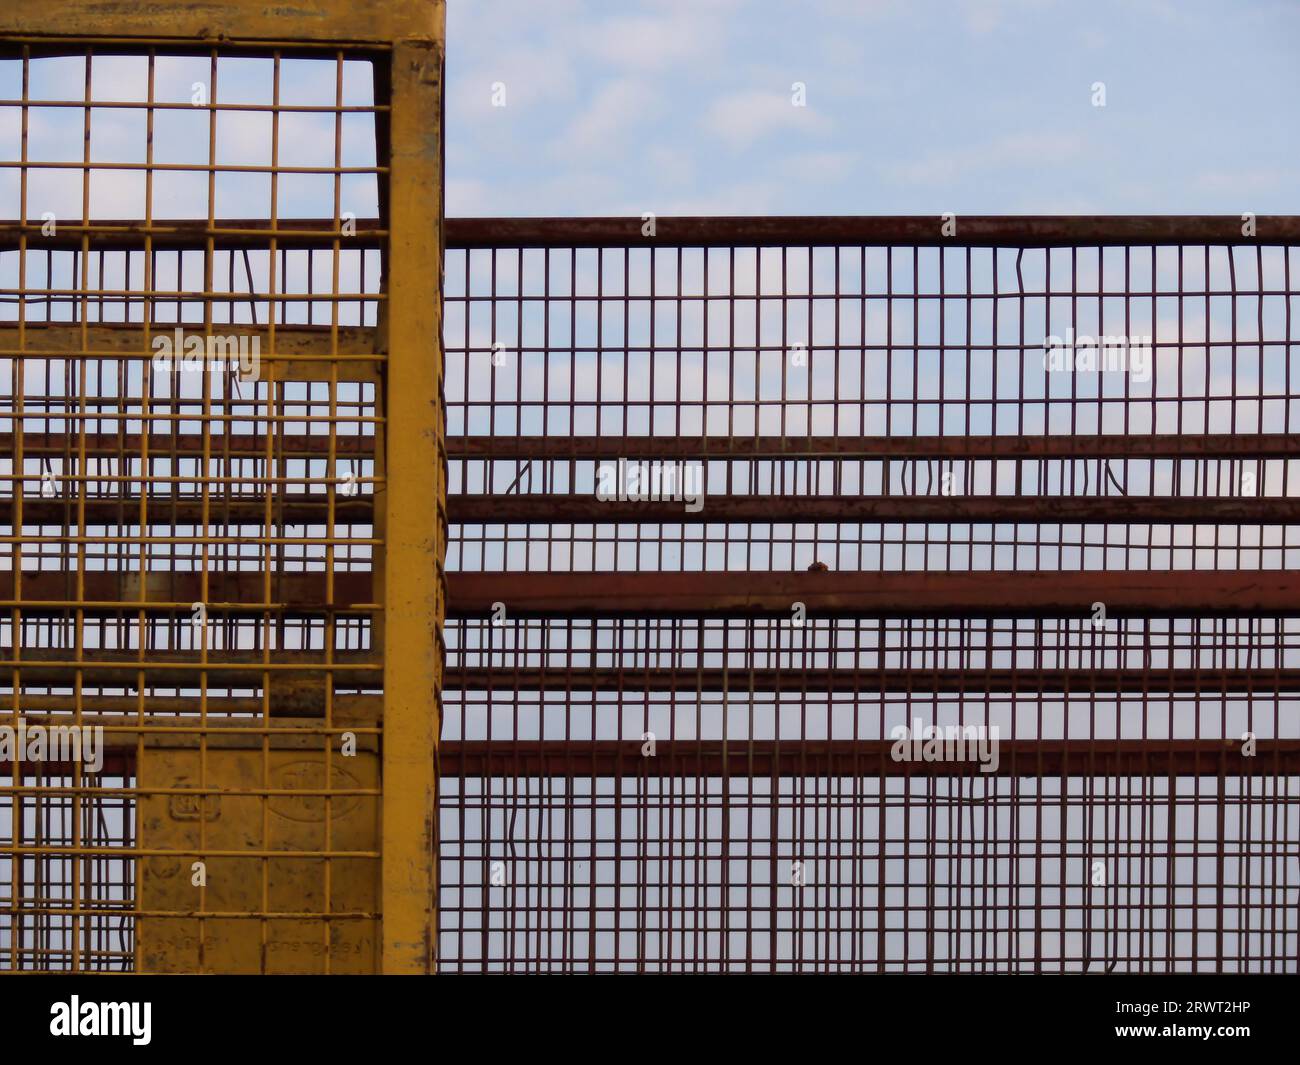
296	890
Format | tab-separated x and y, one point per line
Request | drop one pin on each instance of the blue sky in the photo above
969	106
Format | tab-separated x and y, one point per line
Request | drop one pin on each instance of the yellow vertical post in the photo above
413	500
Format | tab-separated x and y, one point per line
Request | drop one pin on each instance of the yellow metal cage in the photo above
223	477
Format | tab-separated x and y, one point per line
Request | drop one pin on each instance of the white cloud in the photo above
819	167
607	120
662	97
1245	182
741	118
673	166
1057	203
860	10
1016	150
467	198
532	76
984	16
654	42
740	198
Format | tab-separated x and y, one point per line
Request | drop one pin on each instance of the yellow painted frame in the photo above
411	497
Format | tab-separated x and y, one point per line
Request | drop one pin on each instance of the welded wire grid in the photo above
870	409
671	789
779	371
188	550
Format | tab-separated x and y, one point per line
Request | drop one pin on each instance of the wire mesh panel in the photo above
841	869
68	909
851	595
1019	407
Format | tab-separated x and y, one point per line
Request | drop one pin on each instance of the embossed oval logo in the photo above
309	775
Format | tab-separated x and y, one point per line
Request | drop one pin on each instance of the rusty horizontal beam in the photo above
561	448
751	593
114	591
290	669
117	762
794	678
686	231
244	508
1029	231
164	444
303	508
301	353
44	46
800	507
1163	445
737	593
116	234
859	758
302	690
60	338
294	699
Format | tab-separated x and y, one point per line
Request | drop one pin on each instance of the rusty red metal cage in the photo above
669	734
668	737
